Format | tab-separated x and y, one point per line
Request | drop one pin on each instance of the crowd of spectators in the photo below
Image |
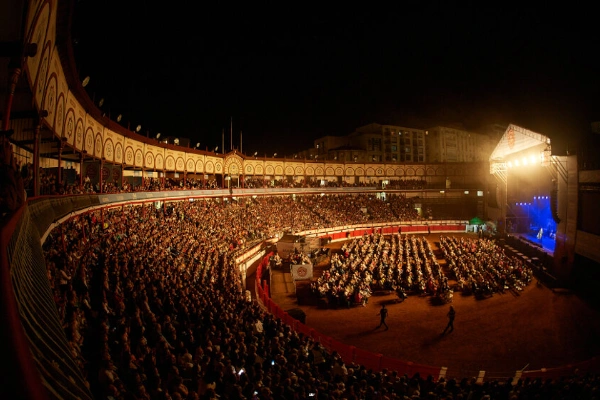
400	263
480	266
49	184
153	308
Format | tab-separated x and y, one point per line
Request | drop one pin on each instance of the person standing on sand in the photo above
451	314
383	315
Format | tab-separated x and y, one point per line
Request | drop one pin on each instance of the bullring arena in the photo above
134	268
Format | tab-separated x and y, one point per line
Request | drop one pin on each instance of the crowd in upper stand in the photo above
48	183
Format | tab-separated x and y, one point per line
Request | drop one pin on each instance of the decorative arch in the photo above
218	167
129	155
278	170
109	152
260	170
440	171
299	171
310	170
249	169
233	169
119	153
319	171
233	165
69	129
360	171
329	171
269	170
410	171
420	171
170	163
139	158
400	172
180	164
370	171
159	161
42	76
50	97
339	171
210	167
38	33
79	135
89	141
190	166
149	160
199	166
60	115
349	171
289	170
390	171
98	148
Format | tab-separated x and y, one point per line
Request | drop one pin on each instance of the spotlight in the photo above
158	136
138	128
198	145
510	164
85	81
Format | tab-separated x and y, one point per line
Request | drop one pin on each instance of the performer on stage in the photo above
540	234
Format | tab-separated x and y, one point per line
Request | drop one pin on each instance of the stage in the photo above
547	244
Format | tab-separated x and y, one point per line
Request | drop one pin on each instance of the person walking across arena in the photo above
383	315
451	314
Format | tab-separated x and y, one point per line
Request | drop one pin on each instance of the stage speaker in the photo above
494	197
554	205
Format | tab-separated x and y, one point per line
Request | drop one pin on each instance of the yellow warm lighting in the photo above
532	159
516	163
510	164
524	160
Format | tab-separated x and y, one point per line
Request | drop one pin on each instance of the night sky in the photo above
290	75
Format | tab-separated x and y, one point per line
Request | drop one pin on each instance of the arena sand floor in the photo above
538	328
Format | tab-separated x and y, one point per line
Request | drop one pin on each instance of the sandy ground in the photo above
501	334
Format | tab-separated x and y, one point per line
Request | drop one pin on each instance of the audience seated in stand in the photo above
153	307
